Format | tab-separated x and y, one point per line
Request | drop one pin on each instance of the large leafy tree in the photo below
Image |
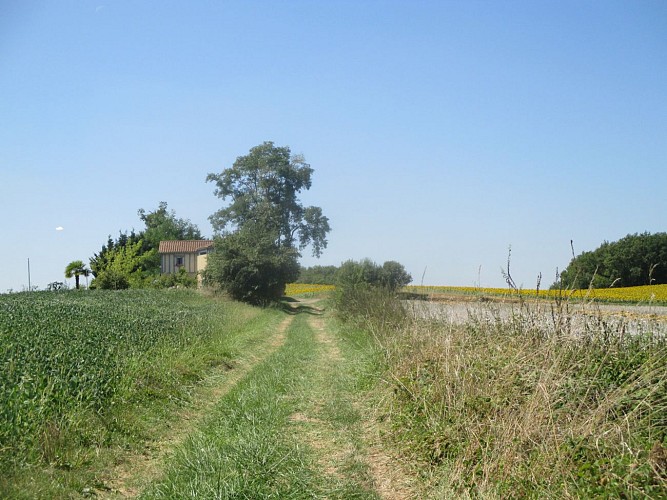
250	267
265	226
163	224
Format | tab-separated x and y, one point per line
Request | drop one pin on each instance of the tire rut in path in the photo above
137	469
390	480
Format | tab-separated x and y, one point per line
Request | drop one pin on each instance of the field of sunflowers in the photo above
302	289
650	294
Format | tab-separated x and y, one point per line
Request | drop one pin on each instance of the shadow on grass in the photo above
293	306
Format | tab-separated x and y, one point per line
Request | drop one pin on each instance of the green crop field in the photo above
81	353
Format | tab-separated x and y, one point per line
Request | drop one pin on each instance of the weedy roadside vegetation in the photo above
521	405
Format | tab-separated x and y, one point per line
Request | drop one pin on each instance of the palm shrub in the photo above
75	269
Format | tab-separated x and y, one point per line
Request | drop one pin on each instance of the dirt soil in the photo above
613	317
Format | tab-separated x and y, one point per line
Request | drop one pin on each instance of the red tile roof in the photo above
183	246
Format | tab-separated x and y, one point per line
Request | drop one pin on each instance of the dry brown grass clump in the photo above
503	407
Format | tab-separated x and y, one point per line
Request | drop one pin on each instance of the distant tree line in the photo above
391	275
318	275
637	259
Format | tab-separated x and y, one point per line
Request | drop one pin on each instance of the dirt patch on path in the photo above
390	479
392	482
323	337
128	478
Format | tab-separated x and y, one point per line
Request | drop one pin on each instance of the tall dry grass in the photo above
530	404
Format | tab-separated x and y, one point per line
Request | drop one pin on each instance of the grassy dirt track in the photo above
289	421
135	471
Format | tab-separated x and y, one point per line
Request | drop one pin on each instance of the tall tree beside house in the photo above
263	229
75	269
162	225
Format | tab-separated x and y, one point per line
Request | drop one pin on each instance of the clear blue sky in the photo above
441	132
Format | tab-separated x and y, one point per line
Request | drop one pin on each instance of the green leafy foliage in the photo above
265	226
163	224
100	261
125	267
366	273
318	275
111	279
132	260
365	290
263	188
394	276
181	279
251	267
637	259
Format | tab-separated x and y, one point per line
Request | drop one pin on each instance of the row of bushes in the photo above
391	274
113	280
